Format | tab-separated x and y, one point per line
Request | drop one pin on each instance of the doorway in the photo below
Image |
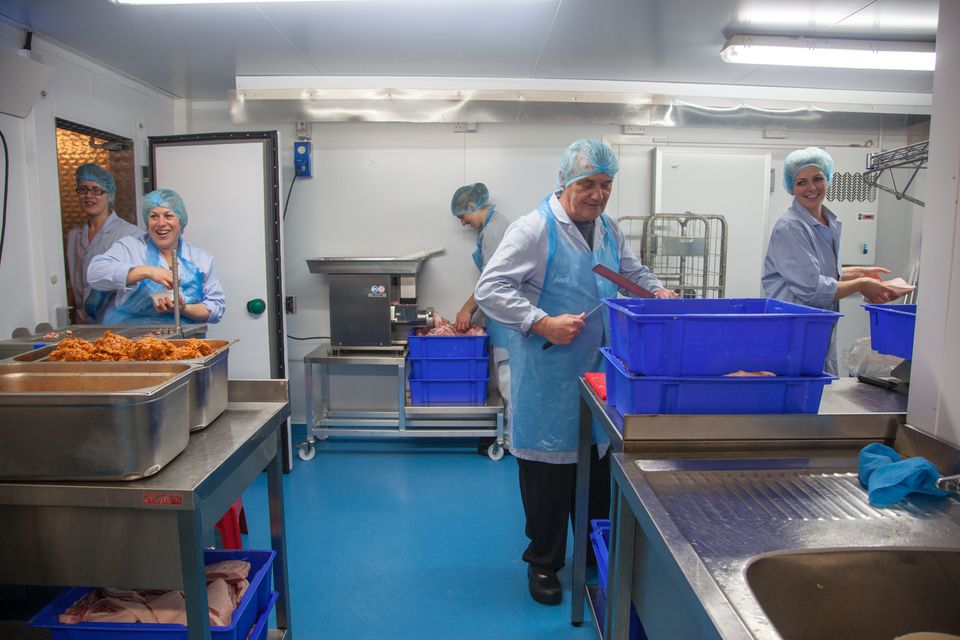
76	145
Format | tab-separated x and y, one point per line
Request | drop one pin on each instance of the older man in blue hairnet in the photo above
540	284
802	264
472	207
96	191
140	270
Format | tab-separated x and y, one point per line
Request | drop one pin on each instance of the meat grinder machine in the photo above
373	301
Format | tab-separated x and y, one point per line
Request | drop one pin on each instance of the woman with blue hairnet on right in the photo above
540	285
139	270
803	258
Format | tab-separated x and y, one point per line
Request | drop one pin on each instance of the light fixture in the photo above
830	52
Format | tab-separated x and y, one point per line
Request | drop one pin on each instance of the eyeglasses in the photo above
94	191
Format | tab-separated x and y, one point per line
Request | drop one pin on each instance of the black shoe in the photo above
544	586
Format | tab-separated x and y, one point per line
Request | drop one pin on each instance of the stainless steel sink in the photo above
858	594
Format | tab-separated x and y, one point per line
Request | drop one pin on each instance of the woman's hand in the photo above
875	291
157	274
851	273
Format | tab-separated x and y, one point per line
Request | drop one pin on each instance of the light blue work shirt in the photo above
544	258
803	263
80	251
108	272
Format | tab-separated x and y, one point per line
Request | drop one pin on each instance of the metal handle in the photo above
176	295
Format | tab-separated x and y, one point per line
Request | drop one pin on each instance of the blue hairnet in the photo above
584	158
94	173
469	198
809	157
164	198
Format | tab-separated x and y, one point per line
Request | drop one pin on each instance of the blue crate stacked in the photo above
672	356
891	328
448	370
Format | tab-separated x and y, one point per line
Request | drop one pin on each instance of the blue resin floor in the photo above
413	539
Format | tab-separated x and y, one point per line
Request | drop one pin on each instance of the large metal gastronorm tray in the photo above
208	383
92	421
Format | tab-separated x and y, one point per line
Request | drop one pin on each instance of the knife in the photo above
620	281
548	344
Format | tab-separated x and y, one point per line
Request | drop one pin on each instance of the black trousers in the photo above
548	492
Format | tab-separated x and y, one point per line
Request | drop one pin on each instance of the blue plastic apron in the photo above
499	334
138	307
546	414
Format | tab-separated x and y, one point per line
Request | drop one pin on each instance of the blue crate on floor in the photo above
711	337
600	540
445	392
891	328
448	368
630	394
255	601
446	346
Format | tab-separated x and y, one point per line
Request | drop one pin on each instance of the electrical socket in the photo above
464	127
634	130
778	133
290	304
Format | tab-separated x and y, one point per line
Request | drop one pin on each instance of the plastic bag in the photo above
860	360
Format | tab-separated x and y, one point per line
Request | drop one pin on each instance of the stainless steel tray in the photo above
92	421
208	382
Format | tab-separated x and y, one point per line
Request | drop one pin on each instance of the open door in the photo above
230	185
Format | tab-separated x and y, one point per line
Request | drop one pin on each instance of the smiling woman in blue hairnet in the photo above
803	258
539	284
140	270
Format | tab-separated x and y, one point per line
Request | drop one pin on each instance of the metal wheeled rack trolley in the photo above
688	252
361	384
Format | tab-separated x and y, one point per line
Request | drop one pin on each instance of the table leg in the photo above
622	536
192	567
578	592
278	541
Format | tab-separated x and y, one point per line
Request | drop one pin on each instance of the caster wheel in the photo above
306	451
495	451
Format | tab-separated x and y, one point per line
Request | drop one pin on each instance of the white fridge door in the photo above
227	187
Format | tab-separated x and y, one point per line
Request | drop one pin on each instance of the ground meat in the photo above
443	327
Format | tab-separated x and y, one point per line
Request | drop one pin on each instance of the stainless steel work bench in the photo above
390	412
851	415
149	533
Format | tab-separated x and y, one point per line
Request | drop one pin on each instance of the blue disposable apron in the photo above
137	308
546	415
499	334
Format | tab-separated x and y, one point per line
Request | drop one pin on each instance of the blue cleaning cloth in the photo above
888	479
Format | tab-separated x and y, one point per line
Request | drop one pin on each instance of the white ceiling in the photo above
196	51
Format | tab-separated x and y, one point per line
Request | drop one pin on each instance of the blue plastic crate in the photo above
442	392
630	394
891	328
446	346
255	601
261	628
712	337
448	368
600	540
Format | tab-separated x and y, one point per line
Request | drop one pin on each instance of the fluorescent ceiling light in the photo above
824	52
145	2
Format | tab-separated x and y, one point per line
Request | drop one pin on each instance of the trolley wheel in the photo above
495	451
306	451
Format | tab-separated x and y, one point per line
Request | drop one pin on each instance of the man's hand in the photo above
560	329
664	293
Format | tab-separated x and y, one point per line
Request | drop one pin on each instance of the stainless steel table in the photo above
149	533
386	410
851	414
